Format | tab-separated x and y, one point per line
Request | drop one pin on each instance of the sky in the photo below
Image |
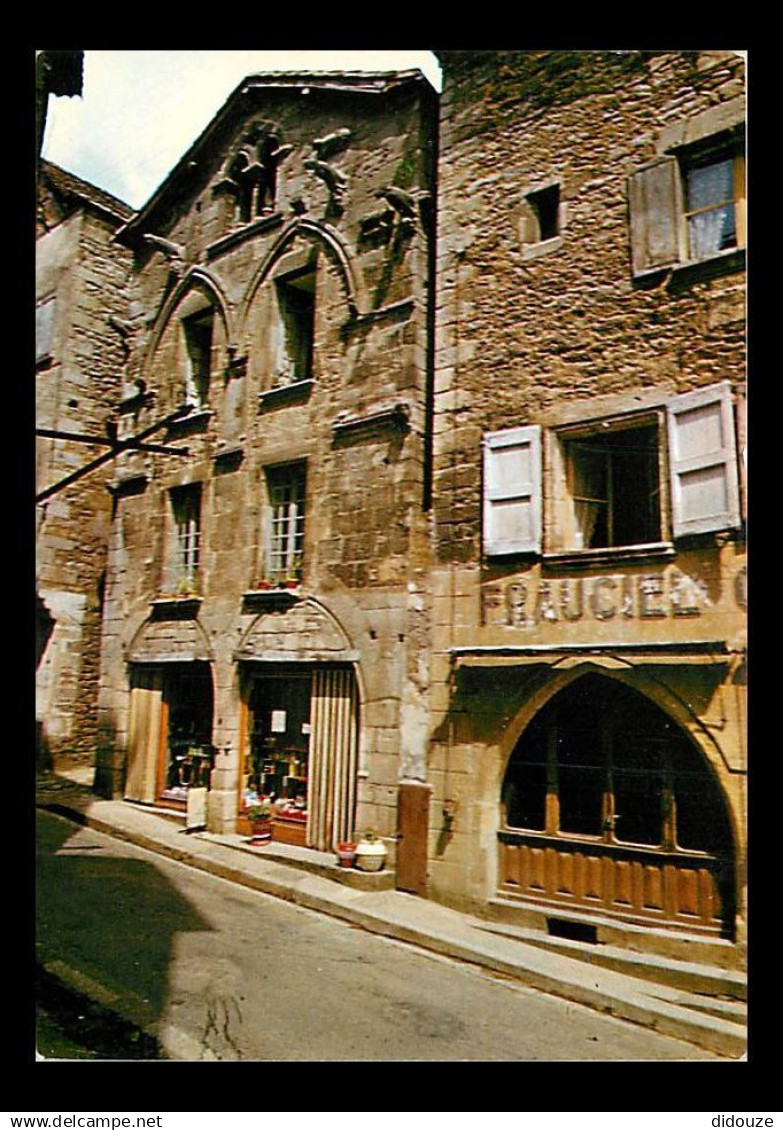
141	110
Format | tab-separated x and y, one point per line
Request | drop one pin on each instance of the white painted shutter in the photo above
654	204
703	461
512	491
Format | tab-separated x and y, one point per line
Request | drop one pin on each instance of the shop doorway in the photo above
169	733
300	752
607	805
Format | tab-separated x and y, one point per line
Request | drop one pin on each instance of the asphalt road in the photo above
220	972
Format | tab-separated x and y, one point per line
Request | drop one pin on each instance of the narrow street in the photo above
217	971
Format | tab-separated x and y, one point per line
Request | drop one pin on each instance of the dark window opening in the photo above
198	344
296	305
614	482
187	692
545	206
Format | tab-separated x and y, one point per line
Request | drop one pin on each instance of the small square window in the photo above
545	212
612	480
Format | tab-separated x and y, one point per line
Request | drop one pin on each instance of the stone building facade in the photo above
264	620
80	276
587	704
440	527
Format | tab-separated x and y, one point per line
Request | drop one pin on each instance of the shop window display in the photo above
277	766
189	754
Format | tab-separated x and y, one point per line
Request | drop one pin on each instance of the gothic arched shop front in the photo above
608	807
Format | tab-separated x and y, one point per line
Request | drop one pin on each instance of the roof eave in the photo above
355	82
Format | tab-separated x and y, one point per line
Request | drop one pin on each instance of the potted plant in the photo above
187	587
370	852
260	816
346	853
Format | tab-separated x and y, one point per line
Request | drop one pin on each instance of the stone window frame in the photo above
533	246
281	479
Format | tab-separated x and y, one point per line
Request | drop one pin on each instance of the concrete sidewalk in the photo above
711	1018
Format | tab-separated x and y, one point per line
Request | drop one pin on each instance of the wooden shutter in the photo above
703	461
512	491
654	197
331	796
144	729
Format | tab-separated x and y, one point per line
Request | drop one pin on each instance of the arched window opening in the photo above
600	760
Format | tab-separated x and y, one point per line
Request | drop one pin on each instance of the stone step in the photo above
695	978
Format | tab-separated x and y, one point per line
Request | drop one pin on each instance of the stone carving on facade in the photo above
251	173
407	205
334	179
174	252
331	143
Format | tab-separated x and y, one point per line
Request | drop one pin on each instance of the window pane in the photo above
710	184
286	531
581	800
581	778
590	473
615	488
524	795
638	807
712	231
198	343
700	814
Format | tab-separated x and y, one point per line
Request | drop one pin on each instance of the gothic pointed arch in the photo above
170	639
196	279
630	674
608	804
305	631
336	250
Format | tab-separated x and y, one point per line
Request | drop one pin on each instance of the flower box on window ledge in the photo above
183	601
266	591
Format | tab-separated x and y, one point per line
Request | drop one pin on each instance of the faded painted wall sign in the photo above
522	603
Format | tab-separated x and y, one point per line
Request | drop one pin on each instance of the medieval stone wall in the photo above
519	336
358	425
553	332
77	390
